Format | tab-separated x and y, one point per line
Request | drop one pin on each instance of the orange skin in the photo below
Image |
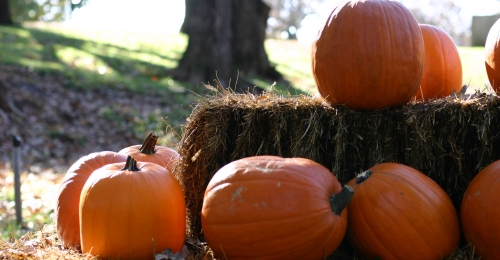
492	59
399	213
443	67
268	207
480	212
68	200
369	55
130	213
150	152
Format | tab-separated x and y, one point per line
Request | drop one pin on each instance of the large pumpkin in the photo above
399	213
68	198
480	212
443	67
492	59
132	210
369	55
148	151
268	207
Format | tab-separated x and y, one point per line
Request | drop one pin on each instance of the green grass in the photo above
140	62
94	59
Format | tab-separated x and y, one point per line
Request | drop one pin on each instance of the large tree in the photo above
226	42
5	17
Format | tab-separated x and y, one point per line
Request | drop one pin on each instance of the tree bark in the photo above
226	42
5	16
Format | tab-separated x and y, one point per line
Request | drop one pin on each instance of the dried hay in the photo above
45	244
448	139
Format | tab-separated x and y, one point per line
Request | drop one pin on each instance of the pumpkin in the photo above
132	210
369	55
268	207
398	212
480	212
148	151
442	68
68	198
492	59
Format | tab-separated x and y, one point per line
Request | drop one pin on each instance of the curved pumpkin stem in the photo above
341	199
131	165
363	176
148	146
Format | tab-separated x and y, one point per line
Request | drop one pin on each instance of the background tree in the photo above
226	41
286	16
5	16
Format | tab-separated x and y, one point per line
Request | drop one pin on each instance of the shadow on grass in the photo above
89	63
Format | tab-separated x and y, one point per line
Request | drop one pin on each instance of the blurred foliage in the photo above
286	16
42	10
444	14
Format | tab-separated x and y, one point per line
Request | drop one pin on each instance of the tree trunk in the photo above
5	17
226	42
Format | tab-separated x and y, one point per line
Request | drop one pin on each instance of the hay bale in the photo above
450	139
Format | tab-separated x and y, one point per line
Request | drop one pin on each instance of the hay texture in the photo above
450	139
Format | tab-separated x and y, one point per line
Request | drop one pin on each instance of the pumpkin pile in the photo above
373	55
268	207
370	55
125	205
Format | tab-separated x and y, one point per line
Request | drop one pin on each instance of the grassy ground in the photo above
138	62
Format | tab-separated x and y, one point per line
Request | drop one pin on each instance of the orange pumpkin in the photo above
150	152
443	67
68	198
492	59
369	55
268	207
480	212
132	210
399	213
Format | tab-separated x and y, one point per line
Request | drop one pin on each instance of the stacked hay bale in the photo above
448	139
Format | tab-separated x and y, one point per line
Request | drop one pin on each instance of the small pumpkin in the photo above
480	212
443	67
268	207
132	210
68	198
150	152
398	212
492	59
369	55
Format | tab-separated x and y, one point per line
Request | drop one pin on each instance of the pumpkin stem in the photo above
131	165
148	146
363	176
341	199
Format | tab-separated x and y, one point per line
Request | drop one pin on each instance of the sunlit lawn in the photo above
474	70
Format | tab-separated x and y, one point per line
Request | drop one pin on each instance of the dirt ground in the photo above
58	124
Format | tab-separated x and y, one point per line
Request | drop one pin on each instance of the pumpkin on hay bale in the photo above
448	139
